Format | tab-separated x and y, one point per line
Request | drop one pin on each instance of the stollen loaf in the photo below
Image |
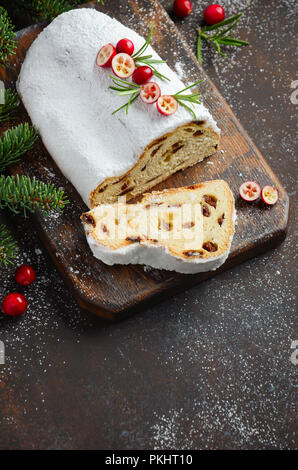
69	102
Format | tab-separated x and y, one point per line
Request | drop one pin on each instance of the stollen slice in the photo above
187	229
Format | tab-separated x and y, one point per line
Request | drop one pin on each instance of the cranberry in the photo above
182	8
123	65
270	195
126	46
250	191
167	105
105	55
142	74
214	14
150	92
14	304
25	275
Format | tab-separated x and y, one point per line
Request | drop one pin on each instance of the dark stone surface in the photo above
209	368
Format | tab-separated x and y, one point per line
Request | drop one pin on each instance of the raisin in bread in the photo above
186	229
69	101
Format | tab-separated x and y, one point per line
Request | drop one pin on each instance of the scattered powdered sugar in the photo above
40	321
177	430
233	7
147	269
209	368
180	71
257	355
168	432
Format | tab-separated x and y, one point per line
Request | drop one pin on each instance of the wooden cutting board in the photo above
113	292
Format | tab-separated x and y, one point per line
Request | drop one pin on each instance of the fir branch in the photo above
140	59
10	101
21	193
75	3
14	143
8	247
192	98
8	44
221	36
41	10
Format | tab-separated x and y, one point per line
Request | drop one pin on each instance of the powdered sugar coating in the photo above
69	102
155	256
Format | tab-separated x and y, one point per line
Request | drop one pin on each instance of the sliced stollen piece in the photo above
188	229
69	101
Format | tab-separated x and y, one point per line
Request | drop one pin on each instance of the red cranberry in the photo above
14	304
182	8
25	275
126	46
214	14
142	74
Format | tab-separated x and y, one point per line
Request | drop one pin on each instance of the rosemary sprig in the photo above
221	36
192	98
199	49
21	193
14	143
146	43
139	58
10	101
8	247
125	88
126	105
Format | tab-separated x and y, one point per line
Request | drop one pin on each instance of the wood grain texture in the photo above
113	292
